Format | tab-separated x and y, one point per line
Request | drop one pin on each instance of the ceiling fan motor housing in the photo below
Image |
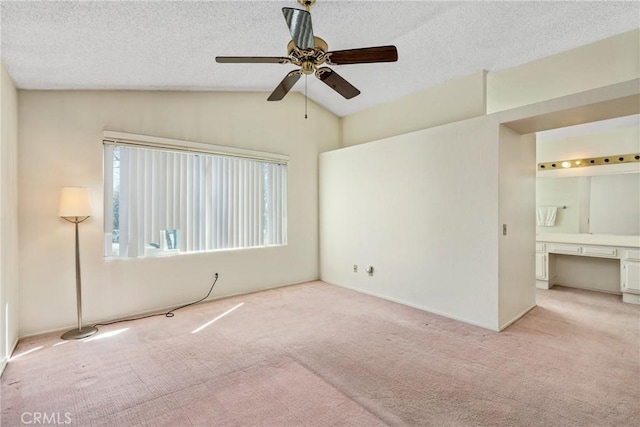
308	59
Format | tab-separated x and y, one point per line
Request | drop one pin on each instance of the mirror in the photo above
599	199
600	204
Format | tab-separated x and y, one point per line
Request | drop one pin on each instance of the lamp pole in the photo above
75	208
81	332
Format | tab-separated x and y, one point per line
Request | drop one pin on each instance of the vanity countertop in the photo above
591	239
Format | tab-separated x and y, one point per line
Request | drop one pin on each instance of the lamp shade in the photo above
74	201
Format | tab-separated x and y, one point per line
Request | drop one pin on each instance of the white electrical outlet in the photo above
370	270
355	268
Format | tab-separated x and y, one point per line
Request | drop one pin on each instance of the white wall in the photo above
426	209
449	102
60	145
8	217
600	143
517	186
615	204
422	209
612	60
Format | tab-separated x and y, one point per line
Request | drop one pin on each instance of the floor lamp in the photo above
75	207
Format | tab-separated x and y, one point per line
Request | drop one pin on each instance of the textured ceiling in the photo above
171	45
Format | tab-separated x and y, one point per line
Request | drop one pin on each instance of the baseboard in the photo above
543	284
631	298
417	306
518	317
5	359
154	311
586	288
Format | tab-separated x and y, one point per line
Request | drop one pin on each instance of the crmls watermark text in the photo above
46	418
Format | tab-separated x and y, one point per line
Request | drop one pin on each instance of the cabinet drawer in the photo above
599	251
632	255
540	247
566	249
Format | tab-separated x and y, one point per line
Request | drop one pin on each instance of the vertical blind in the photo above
162	200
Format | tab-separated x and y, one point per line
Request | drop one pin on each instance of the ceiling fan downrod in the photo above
307	4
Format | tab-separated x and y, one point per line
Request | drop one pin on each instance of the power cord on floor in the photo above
169	313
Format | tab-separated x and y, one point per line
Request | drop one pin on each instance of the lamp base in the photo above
77	334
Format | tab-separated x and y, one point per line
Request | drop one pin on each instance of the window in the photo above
163	201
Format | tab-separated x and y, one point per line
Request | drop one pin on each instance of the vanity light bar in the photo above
591	161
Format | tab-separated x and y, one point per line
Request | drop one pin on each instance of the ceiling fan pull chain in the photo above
305	96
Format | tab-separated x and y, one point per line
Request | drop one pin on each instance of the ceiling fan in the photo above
310	52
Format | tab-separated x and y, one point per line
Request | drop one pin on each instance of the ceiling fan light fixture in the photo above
307	67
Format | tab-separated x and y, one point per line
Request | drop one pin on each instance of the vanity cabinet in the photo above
625	249
541	262
631	272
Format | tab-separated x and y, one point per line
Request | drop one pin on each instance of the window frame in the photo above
185	147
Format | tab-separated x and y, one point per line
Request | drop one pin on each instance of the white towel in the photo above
546	216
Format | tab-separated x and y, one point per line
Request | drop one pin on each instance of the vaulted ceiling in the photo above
171	45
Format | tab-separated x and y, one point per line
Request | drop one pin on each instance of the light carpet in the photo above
320	355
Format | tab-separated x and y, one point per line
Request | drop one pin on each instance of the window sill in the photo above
176	252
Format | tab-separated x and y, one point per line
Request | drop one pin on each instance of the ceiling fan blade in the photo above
337	83
252	60
299	23
363	56
285	86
